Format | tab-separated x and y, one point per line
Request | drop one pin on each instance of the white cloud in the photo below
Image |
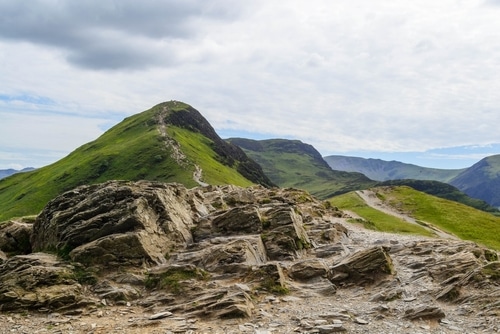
342	76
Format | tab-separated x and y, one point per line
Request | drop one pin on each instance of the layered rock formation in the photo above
230	252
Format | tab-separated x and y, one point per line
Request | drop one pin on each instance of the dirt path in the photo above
373	201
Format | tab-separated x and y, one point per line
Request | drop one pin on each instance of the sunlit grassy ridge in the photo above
461	220
199	151
465	222
131	150
375	219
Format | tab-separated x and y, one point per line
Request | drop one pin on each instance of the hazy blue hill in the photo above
381	170
165	143
292	163
11	171
481	180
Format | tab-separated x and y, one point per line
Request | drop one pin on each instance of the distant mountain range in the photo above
381	170
10	171
481	180
173	142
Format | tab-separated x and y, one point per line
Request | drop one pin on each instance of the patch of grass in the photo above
375	219
172	278
198	149
270	285
461	220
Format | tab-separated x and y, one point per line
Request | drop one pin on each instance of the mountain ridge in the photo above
480	181
292	163
144	146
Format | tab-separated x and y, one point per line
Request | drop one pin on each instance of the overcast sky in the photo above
415	81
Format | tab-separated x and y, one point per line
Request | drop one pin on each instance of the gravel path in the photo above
373	201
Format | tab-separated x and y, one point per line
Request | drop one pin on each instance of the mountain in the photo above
292	163
382	170
170	142
481	180
10	171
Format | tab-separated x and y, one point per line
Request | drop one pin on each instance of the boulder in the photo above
15	237
110	291
38	281
127	249
363	267
284	235
96	214
238	221
234	256
424	312
307	270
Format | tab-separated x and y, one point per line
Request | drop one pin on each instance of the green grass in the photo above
465	222
199	151
375	219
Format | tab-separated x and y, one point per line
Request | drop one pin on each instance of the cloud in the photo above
111	34
353	76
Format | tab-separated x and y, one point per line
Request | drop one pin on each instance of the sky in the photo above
413	81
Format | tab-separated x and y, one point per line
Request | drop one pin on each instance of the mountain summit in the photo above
171	142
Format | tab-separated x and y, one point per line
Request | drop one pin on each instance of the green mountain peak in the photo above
171	142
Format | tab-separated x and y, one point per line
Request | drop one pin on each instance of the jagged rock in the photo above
239	220
37	281
363	267
3	257
106	290
452	265
268	277
221	251
387	295
233	305
218	303
424	312
307	270
234	256
160	315
15	237
139	211
284	235
134	249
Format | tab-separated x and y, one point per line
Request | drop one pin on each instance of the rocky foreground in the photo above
145	257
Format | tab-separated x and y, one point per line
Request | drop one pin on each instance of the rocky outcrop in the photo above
116	223
15	237
363	267
38	281
224	252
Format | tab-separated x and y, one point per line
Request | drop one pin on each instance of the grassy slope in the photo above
199	151
131	150
461	220
375	219
287	166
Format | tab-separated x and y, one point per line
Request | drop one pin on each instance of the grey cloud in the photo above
102	34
